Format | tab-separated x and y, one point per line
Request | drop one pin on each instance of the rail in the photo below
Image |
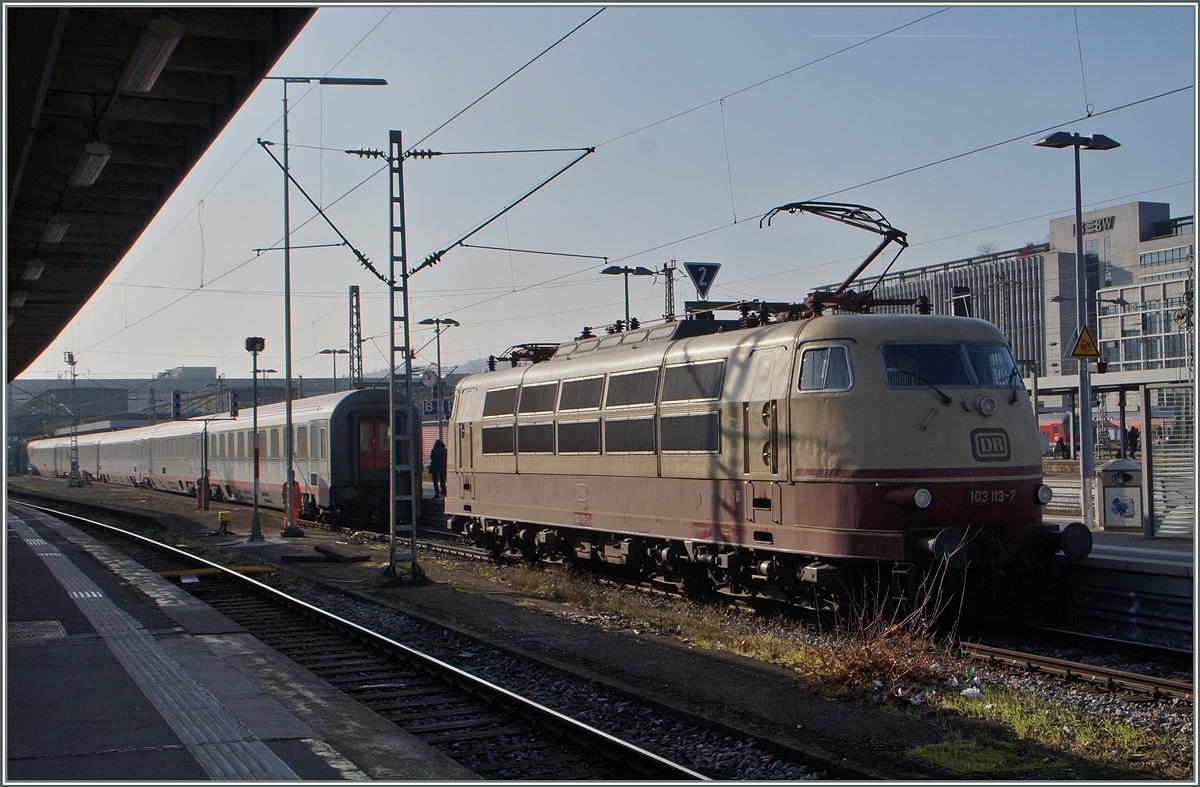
1108	679
630	758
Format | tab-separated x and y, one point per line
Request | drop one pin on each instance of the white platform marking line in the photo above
335	760
219	742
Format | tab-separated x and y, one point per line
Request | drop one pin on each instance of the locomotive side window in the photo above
693	381
535	438
538	398
824	369
579	437
632	388
992	364
497	439
629	436
500	402
700	432
581	394
919	365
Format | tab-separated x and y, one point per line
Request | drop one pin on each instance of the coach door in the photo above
763	431
462	458
373	460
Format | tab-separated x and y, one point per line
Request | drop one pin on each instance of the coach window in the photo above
500	402
274	443
313	449
323	442
629	436
538	398
691	381
535	438
302	442
579	437
221	445
498	439
632	388
825	369
700	433
241	445
581	394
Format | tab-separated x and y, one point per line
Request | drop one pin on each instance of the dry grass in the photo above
873	655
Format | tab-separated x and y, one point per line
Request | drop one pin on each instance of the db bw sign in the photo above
430	407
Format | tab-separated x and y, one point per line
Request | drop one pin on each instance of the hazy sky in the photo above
693	144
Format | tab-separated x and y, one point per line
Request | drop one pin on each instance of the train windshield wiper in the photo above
945	399
1016	382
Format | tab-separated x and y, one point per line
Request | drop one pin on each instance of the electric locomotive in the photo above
782	460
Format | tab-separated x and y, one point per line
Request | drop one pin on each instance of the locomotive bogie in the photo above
814	444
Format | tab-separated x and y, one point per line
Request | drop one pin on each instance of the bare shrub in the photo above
889	650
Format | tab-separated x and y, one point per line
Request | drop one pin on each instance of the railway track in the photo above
1129	684
492	731
1101	678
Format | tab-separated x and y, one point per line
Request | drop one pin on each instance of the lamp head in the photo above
1100	142
640	271
1059	139
351	81
614	270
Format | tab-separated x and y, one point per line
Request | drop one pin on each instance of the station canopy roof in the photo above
72	83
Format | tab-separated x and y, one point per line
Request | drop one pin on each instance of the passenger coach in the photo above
341	456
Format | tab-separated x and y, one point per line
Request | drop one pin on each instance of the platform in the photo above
115	673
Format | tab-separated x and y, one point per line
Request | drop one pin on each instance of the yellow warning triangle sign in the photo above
1085	345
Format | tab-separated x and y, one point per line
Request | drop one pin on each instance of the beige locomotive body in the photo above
765	456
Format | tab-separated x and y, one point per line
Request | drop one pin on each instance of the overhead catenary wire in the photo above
454	117
831	193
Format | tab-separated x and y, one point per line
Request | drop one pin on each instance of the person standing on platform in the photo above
437	468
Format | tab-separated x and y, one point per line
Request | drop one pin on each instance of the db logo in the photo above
990	445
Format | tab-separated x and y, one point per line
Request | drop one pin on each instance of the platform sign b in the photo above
702	274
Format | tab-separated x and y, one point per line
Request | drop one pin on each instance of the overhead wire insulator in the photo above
421	154
367	153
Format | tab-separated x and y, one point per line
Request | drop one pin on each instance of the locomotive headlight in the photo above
1044	495
922	498
987	405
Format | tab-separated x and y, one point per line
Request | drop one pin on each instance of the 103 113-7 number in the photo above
991	497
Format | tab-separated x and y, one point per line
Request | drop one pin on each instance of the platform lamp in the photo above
613	270
255	345
289	525
335	354
1063	139
439	322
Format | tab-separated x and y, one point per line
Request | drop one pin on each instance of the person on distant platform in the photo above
1131	438
1060	449
437	468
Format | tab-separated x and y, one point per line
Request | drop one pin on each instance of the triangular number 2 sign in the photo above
702	274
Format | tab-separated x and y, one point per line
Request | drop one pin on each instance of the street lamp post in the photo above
439	322
335	354
289	527
1063	139
255	345
613	270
